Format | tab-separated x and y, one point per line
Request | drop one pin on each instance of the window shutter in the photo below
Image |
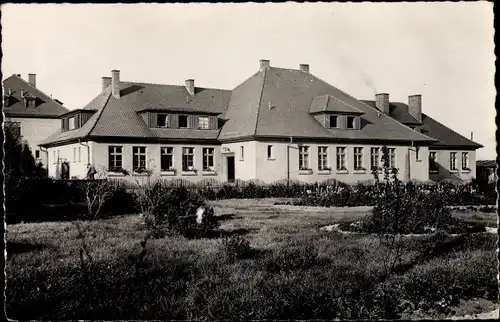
154	119
327	121
169	116
77	121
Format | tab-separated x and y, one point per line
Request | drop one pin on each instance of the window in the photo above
350	122
58	156
433	162
114	158
358	158
187	159
334	121
465	161
392	157
270	152
54	155
183	121
453	161
71	123
208	159
341	158
167	158
375	158
417	153
203	122
79	154
323	158
37	154
162	120
303	157
242	152
74	154
139	158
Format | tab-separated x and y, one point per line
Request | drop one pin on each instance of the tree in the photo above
97	193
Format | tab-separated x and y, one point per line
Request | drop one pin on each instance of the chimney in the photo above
106	81
264	64
382	102
32	79
19	75
415	106
115	83
472	136
304	68
190	86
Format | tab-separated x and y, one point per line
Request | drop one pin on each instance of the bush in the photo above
237	247
177	211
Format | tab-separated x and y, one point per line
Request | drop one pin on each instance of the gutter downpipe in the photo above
288	161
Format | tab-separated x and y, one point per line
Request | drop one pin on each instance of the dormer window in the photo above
203	123
334	121
350	122
183	121
162	120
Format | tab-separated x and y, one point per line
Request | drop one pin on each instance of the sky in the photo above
442	50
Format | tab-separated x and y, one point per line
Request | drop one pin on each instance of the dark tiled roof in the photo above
119	118
399	111
447	137
47	106
329	103
276	102
486	163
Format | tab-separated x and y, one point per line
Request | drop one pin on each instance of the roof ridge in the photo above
158	84
100	112
260	101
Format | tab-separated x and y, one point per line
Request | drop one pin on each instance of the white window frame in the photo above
304	158
341	156
208	159
453	161
187	159
113	152
392	157
242	152
54	155
358	159
167	152
465	165
203	122
139	152
375	156
323	158
72	118
270	152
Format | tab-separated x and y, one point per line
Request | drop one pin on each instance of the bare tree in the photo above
97	193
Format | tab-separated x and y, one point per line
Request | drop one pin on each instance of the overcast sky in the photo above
444	51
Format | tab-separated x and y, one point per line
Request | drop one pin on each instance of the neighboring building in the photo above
35	113
279	124
486	170
452	157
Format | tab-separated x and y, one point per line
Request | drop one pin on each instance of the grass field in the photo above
297	271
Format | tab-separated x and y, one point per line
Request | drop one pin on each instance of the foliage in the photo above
176	210
237	247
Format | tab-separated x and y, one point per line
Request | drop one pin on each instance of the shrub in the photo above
237	247
177	210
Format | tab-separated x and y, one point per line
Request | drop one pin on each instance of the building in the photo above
278	125
486	170
34	113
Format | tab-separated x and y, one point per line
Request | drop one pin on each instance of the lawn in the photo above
296	272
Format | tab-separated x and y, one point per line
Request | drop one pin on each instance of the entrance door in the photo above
230	168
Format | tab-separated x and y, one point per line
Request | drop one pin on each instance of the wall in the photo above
36	130
99	159
75	154
244	169
276	169
444	172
